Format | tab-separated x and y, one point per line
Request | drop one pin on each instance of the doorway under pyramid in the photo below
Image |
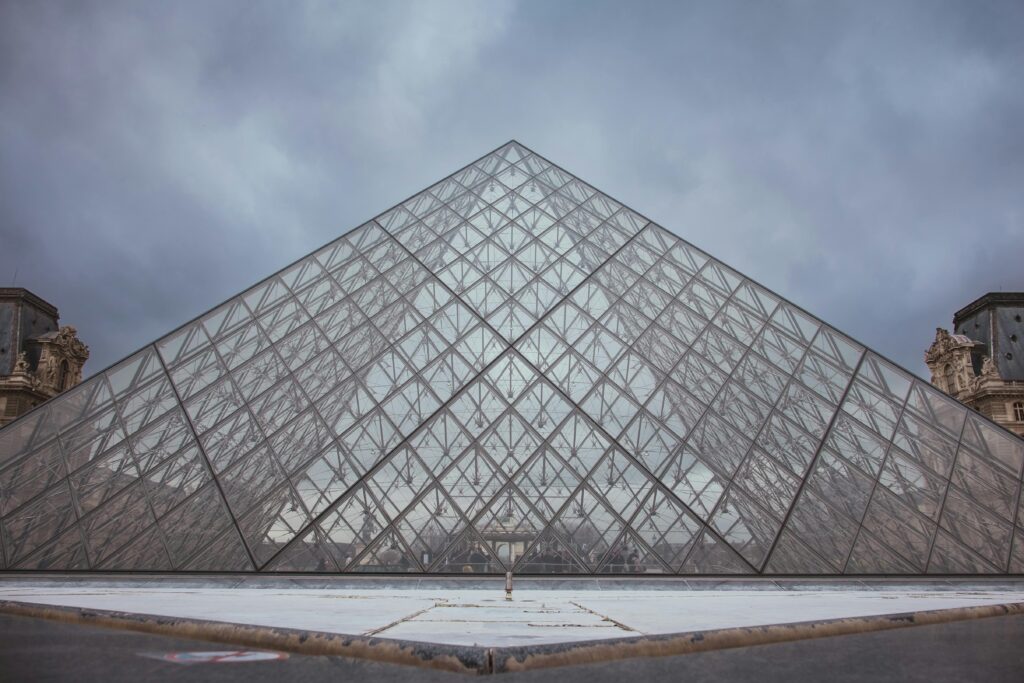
510	371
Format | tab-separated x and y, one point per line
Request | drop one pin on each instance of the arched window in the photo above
950	378
62	380
1018	411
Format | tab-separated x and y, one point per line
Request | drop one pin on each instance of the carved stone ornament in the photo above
67	340
61	359
21	366
945	343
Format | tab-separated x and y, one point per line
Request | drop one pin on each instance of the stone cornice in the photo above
16	294
985	301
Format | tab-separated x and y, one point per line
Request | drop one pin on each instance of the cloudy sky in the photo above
865	160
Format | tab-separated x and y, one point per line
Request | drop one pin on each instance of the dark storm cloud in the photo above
864	160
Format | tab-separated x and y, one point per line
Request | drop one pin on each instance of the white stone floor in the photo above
483	617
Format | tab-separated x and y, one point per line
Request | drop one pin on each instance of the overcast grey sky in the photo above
863	159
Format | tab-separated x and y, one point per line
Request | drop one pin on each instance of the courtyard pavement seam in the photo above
605	617
408	617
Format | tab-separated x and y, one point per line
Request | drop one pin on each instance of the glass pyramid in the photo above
509	371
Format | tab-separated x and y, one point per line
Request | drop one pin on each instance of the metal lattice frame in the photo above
510	370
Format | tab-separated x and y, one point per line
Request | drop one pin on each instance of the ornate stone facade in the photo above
38	358
979	364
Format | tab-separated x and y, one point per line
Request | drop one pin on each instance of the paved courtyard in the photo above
481	616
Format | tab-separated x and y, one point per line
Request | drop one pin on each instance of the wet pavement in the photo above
978	650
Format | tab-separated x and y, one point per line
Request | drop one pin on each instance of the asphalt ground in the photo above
989	649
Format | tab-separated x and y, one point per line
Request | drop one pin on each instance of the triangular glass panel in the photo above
710	555
588	525
548	481
348	528
791	556
870	556
430	525
551	555
950	557
66	553
271	524
621	483
825	530
630	555
387	555
225	553
147	552
508	525
746	526
194	524
306	554
666	527
470	555
24	479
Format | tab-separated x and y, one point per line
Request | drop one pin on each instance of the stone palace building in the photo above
982	362
38	357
